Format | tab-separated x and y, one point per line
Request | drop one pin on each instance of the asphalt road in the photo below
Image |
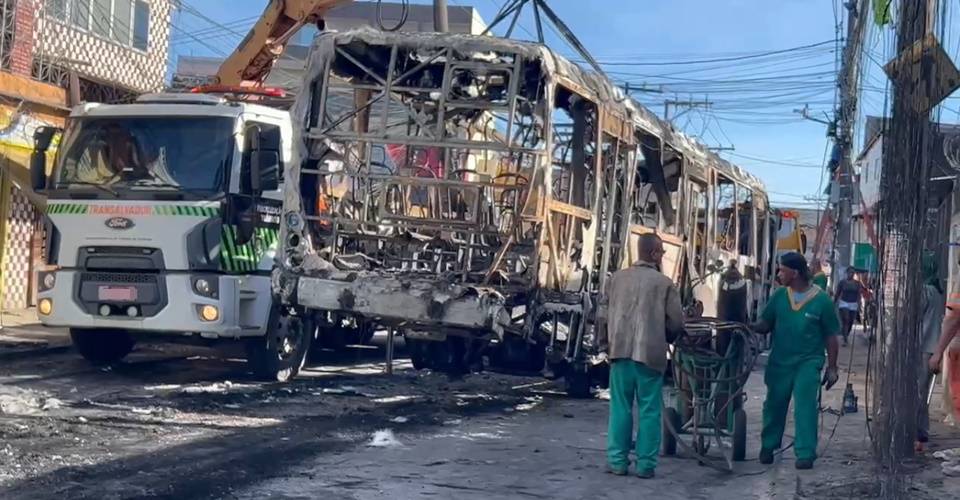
185	423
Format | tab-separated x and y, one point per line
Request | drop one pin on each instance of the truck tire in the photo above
102	346
280	354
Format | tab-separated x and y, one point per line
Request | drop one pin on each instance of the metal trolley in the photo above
711	362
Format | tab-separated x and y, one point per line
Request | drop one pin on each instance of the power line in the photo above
784	163
721	59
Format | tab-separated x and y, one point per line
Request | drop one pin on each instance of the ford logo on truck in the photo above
119	223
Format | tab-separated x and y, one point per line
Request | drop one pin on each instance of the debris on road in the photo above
384	438
951	461
344	390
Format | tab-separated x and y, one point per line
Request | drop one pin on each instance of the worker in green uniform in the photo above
804	324
819	277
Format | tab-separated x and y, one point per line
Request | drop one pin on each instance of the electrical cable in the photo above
719	59
404	13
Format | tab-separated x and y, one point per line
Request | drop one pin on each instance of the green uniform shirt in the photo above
821	281
800	330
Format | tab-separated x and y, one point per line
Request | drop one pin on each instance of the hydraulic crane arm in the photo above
251	62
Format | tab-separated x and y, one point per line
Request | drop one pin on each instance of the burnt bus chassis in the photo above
497	248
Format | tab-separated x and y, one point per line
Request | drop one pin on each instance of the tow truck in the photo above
163	215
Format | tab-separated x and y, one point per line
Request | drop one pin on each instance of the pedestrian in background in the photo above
642	311
847	296
931	319
819	277
804	325
949	347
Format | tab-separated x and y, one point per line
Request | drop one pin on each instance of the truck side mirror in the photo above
246	225
241	212
264	171
38	170
264	165
42	138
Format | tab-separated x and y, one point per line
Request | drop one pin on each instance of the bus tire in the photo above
577	383
102	346
279	355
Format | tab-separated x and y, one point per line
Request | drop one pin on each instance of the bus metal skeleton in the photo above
476	193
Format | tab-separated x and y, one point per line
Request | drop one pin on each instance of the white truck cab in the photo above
163	218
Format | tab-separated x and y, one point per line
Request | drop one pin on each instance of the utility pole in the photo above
842	183
440	22
922	76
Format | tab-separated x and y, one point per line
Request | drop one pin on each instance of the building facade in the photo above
868	167
112	50
119	44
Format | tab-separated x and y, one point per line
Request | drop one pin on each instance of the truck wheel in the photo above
281	353
102	346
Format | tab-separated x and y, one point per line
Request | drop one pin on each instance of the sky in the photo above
755	62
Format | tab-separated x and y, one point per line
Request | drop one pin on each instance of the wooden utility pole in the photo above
842	183
922	76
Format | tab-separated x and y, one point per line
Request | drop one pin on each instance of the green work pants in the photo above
632	381
802	382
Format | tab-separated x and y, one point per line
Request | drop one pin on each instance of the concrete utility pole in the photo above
922	75
842	183
440	22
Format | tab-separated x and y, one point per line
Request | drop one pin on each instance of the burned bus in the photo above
475	194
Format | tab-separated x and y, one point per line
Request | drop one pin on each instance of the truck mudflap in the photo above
411	301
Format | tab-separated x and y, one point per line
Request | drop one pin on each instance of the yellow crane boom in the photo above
250	64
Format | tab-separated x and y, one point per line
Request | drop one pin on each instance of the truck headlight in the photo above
209	313
294	221
47	280
207	286
45	307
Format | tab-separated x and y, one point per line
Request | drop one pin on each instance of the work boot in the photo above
804	464
617	471
645	473
766	456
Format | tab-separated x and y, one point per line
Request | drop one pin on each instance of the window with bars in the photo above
126	22
8	28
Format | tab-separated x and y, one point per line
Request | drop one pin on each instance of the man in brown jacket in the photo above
643	313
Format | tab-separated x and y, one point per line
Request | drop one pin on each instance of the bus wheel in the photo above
102	346
419	351
577	382
280	354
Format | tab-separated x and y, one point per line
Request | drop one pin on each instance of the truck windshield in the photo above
147	153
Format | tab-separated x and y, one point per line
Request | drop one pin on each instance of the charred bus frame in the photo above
476	193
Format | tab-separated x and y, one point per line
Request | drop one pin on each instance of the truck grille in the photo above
132	278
